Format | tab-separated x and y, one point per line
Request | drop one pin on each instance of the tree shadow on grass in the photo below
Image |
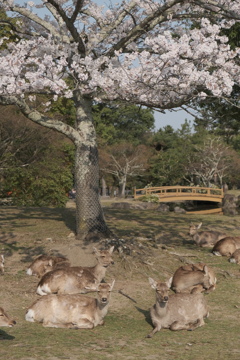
146	314
5	336
16	222
18	218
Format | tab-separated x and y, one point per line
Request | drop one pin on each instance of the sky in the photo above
172	118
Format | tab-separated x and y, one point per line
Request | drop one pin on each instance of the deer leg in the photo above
156	329
58	325
195	324
176	325
197	289
212	288
83	324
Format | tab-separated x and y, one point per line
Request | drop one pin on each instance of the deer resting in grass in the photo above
71	311
235	258
226	246
194	278
5	319
176	311
205	238
45	263
75	279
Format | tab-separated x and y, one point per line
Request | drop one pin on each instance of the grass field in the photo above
158	244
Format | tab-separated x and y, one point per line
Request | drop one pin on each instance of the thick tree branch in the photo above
45	24
70	25
39	118
77	9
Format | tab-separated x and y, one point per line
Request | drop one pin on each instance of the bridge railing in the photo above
181	192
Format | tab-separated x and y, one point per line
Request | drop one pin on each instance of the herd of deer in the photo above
63	303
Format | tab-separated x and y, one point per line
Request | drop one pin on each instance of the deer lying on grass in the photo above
2	260
235	258
5	319
71	311
176	311
75	279
194	278
205	238
45	263
226	246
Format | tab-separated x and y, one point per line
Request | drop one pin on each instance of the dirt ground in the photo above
23	238
158	245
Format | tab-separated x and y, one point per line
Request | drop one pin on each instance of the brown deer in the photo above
5	319
226	246
2	261
71	311
205	238
194	278
235	258
176	311
45	263
75	279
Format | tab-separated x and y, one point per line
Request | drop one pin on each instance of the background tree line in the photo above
36	164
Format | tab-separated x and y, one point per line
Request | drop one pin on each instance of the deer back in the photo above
226	246
45	263
205	238
194	278
70	280
71	311
5	320
75	279
235	258
185	308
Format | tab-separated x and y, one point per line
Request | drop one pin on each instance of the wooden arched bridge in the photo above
181	193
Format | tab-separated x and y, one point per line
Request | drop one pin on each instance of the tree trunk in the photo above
104	187
90	222
122	185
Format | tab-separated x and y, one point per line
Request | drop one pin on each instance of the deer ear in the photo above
169	282
205	270
111	249
112	285
50	263
96	251
199	225
153	283
92	287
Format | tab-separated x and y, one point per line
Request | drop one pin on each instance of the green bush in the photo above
149	198
45	183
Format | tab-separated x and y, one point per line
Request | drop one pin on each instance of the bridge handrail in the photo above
175	191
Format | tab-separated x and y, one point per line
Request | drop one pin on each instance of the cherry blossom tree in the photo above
139	51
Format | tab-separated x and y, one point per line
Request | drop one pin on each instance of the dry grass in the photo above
159	245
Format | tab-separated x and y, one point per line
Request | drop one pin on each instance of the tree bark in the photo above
122	184
104	187
90	222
